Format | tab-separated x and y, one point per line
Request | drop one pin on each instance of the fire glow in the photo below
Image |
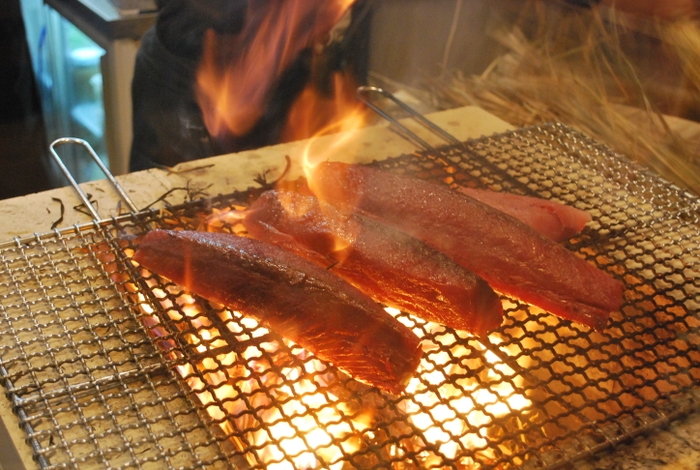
238	74
284	409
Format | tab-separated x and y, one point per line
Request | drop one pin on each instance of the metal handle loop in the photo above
363	94
103	168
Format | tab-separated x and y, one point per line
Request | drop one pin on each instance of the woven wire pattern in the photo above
89	388
108	365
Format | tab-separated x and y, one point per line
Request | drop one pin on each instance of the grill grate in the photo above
108	366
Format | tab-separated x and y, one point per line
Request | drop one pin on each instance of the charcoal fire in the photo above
80	323
285	409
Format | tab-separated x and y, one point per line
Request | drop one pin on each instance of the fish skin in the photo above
291	296
512	257
385	263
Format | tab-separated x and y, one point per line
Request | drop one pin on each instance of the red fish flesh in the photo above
293	297
383	262
509	255
552	219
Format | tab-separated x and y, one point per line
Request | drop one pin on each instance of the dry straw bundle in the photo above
633	85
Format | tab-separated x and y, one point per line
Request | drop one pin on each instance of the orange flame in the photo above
315	114
239	73
452	408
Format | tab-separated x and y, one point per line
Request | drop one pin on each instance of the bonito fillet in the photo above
290	295
509	255
552	219
380	260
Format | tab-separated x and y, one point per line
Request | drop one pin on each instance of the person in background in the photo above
167	122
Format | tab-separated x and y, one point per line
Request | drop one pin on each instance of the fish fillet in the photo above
509	255
385	263
552	219
290	295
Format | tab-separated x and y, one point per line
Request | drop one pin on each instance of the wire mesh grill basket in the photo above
109	366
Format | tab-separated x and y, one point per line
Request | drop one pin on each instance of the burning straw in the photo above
577	69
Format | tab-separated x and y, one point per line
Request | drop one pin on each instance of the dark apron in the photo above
167	121
168	126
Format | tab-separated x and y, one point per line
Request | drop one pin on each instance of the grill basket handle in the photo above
364	94
86	201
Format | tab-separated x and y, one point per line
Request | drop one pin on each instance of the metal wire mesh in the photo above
108	365
89	387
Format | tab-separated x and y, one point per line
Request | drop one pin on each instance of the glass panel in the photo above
67	65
